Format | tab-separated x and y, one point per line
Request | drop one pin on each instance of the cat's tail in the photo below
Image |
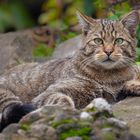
13	113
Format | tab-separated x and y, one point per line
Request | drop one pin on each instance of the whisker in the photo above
126	62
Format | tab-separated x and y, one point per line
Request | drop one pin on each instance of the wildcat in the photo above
102	67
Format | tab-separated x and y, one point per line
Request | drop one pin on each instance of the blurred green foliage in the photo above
60	16
42	50
14	15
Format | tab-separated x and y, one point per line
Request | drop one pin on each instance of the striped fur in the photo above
90	73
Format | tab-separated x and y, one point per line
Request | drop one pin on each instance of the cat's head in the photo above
108	43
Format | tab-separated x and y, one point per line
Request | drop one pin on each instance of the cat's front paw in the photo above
132	88
13	113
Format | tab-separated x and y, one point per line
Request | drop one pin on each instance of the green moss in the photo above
104	114
25	127
76	128
56	124
42	50
84	123
92	109
82	132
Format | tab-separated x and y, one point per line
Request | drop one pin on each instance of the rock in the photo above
129	111
42	131
14	49
12	128
118	123
100	104
74	138
67	48
85	115
60	123
17	47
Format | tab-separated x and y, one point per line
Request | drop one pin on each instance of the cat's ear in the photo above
85	22
130	21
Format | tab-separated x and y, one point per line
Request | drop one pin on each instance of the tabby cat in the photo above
102	67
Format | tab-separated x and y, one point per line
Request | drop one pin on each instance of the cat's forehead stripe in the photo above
107	28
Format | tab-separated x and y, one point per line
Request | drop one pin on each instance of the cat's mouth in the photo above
109	60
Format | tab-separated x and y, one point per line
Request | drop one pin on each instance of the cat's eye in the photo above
98	41
119	41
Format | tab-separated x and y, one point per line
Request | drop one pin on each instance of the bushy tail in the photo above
13	113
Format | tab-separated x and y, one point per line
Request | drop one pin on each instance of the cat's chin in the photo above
108	65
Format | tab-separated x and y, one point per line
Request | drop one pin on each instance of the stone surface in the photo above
129	111
57	123
67	48
14	49
17	47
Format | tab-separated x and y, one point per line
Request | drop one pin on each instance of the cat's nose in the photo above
108	51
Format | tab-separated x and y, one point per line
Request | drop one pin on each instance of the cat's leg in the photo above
12	108
7	98
53	98
132	88
73	93
61	93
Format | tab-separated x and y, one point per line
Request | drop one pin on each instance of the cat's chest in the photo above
113	86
